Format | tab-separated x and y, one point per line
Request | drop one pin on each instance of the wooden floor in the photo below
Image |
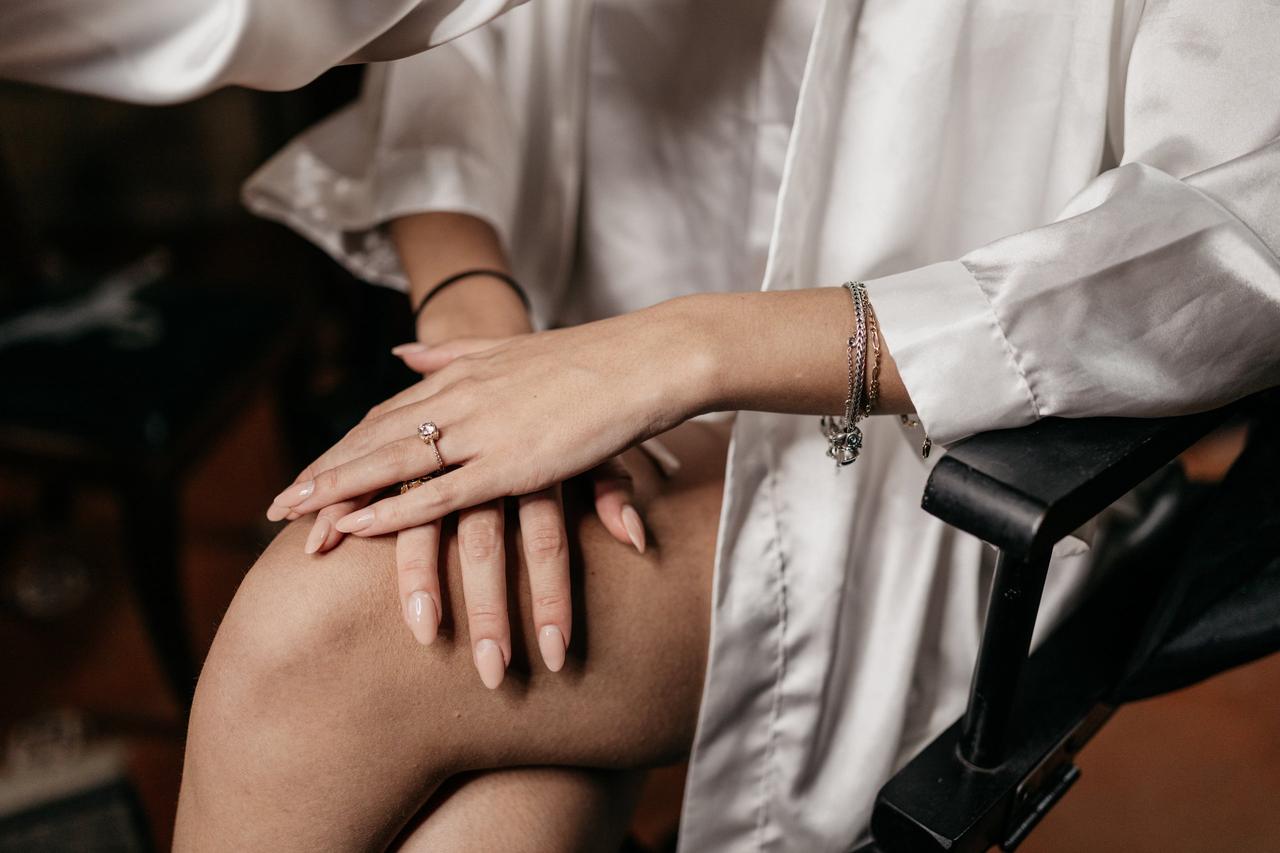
1197	771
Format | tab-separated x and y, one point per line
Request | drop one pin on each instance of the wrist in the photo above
777	351
477	307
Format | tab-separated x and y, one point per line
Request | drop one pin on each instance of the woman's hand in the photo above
514	419
482	547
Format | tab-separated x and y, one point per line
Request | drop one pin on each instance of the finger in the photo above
615	503
484	587
426	358
385	423
546	552
418	579
395	462
457	490
324	536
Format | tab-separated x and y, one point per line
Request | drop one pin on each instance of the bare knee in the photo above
290	627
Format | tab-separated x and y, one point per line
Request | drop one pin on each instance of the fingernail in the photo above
424	619
409	349
353	523
635	527
319	533
490	663
275	512
552	644
295	494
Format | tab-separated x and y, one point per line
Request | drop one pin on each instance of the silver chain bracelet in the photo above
844	439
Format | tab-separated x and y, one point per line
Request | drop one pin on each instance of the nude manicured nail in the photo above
490	663
275	512
409	349
354	523
635	527
295	494
424	618
319	533
552	644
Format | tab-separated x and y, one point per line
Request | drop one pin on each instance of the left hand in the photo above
514	419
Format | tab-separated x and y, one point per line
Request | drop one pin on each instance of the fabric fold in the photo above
941	308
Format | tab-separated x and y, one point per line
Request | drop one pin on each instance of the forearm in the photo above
435	245
779	351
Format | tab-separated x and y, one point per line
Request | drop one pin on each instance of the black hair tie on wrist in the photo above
457	277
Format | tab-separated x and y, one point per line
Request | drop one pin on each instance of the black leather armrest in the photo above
1024	489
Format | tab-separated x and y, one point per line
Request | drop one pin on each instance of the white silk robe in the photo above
1059	209
161	51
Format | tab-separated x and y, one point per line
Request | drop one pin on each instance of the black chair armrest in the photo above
990	777
1022	490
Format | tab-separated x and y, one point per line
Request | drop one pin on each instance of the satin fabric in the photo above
161	51
1065	209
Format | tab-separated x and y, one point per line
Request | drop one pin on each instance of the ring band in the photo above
429	433
413	484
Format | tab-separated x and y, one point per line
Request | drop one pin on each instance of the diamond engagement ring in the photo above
430	433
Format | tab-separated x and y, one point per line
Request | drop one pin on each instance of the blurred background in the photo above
167	363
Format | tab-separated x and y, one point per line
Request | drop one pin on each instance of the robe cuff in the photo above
951	352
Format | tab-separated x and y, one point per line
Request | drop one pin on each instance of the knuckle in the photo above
544	544
328	480
481	540
398	454
443	492
486	620
361	434
412	565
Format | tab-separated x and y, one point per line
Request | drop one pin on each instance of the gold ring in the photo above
429	433
413	484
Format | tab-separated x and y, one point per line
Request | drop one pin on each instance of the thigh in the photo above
315	689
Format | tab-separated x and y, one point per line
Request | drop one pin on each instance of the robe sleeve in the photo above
401	148
486	125
1157	291
161	51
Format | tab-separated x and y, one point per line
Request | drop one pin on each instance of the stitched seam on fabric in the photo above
1009	351
767	771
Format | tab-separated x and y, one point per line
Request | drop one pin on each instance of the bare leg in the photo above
532	809
320	724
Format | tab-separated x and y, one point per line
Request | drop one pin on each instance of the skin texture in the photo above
320	724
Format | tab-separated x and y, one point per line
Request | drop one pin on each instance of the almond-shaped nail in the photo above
424	617
355	522
551	643
275	512
319	533
490	663
296	494
635	527
409	349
